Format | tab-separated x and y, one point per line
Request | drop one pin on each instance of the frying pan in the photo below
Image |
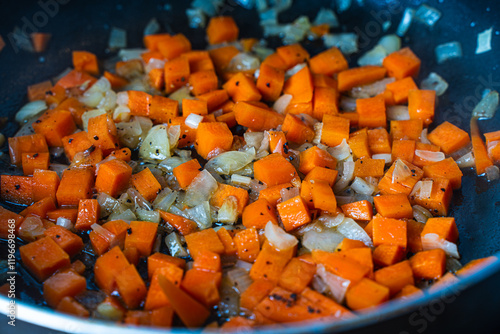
470	304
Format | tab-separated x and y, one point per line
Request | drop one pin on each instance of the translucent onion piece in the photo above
362	187
107	204
64	222
383	156
156	144
466	161
484	41
153	27
117	38
154	63
326	240
433	241
397	113
346	42
240	180
253	139
228	162
288	193
201	189
201	215
96	93
228	305
30	110
279	238
423	137
346	177
421	214
347	103
243	62
174	133
122	98
350	229
109	311
240	279
430	155
165	199
319	285
129	54
374	56
435	82
193	120
341	151
405	23
401	171
295	70
127	215
448	51
487	106
453	265
106	234
492	173
337	285
326	16
390	43
427	15
147	215
330	221
181	94
138	200
243	265
174	245
228	212
371	90
282	103
89	114
31	229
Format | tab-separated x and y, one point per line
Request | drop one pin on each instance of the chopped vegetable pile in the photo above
236	188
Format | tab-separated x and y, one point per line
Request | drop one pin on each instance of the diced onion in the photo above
371	90
165	199
64	222
401	171
243	265
240	279
240	180
452	265
330	221
288	193
181	94
448	51
435	82
201	215
421	214
430	155
174	245
154	63
467	160
405	23
127	215
362	187
294	70
201	189
96	93
243	62
129	54
90	114
319	285
350	229
326	240
434	241
107	204
397	113
427	15
390	43
337	285
487	106
484	41
148	215
279	238
347	103
156	145
193	120
374	56
117	38
341	151
492	173
153	27
346	176
228	162
109	311
228	212
383	156
346	42
326	16
139	200
30	110
423	137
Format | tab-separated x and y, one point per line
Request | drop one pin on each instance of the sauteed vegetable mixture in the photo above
236	188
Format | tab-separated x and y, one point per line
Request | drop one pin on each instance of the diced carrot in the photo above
444	227
9	222
378	141
212	139
256	117
242	88
400	88
176	74
76	184
409	291
203	286
142	236
414	231
123	154
328	62
54	125
157	79
323	196
428	264
395	206
402	185
440	198
358	76
421	104
32	161
16	189
88	214
300	86
320	29
347	244
292	55
366	294
403	149
222	29
270	82
63	284
113	177
198	61
361	210
294	213
69	213
43	257
70	306
482	160
34	143
146	184
203	82
75	107
162	317
395	277
258	214
371	112
173	46
386	254
160	260
331	308
296	130
369	167
447	169
115	80
315	157
204	240
493	145
389	231
107	267
274	169
402	63
68	241
38	91
255	293
247	244
222	56
325	102
297	275
84	61
131	287
156	298
197	107
358	142
227	240
151	41
270	262
76	142
406	130
183	225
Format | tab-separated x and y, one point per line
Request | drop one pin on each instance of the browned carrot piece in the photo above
26	144
32	161
428	264
16	189
323	196
203	286
43	257
297	275
115	80
123	154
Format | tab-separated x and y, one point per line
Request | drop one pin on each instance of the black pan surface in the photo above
85	25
